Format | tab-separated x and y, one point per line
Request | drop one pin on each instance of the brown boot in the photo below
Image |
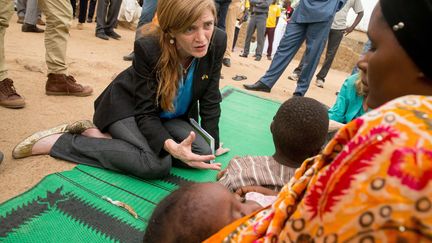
9	98
61	84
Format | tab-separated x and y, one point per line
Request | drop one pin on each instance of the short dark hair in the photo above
180	213
300	128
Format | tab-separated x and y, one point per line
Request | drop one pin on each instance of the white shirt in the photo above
340	19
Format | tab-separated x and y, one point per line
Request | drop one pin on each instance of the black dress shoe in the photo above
31	28
102	35
113	34
243	55
258	86
297	94
129	57
226	62
258	58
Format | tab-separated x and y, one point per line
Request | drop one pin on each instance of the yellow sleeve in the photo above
278	12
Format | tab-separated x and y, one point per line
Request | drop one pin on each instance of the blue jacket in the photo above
312	11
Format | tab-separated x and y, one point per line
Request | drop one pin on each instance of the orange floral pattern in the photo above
372	183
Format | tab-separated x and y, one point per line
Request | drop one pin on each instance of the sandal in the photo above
239	77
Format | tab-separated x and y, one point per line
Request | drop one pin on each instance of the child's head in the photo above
194	212
299	128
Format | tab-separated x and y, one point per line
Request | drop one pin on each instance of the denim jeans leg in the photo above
290	43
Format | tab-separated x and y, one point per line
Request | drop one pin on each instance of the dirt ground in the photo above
96	62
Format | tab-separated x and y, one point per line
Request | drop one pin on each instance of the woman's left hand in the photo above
221	150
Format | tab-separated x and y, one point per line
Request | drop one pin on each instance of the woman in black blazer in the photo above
142	117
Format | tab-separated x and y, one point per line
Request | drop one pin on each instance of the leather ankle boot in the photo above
9	97
61	84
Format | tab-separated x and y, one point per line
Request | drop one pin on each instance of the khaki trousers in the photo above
6	11
234	10
58	21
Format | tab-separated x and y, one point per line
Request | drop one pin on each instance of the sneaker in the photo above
80	26
269	58
258	58
294	77
226	62
61	84
89	20
9	98
129	57
319	83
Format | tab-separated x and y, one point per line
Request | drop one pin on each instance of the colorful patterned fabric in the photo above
372	183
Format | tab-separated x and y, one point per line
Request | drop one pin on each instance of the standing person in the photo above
272	20
147	14
145	111
258	17
21	6
337	32
106	19
310	21
9	97
58	17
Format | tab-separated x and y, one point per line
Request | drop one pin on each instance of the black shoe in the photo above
102	35
243	55
297	94
258	86
258	58
226	62
31	28
269	58
129	57
1	157
89	20
113	34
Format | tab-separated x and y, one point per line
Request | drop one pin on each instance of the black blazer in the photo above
133	92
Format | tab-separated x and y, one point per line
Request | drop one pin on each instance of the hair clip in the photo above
398	26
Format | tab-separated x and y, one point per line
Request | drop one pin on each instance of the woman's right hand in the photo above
183	152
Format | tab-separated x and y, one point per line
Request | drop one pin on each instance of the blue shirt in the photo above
312	11
349	105
184	96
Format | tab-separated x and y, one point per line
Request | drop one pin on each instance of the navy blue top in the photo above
184	96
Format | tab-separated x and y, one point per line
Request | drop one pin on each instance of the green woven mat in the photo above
69	206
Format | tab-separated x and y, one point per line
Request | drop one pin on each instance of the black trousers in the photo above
128	150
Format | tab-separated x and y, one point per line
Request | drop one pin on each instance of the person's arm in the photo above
355	23
260	189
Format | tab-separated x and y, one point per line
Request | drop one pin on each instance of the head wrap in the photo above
411	22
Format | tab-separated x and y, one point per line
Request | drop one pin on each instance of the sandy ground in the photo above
96	62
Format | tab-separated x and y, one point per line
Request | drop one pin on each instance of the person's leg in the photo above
261	27
236	33
333	42
270	34
101	13
230	22
6	12
180	129
221	15
288	47
82	11
31	17
249	32
73	4
128	151
91	10
1	157
58	18
21	9
112	17
316	35
147	12
9	97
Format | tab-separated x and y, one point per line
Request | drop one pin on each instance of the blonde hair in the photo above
361	89
173	16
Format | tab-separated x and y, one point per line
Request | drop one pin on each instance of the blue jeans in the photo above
222	10
315	35
147	13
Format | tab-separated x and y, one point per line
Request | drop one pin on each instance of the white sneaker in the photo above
319	83
294	77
